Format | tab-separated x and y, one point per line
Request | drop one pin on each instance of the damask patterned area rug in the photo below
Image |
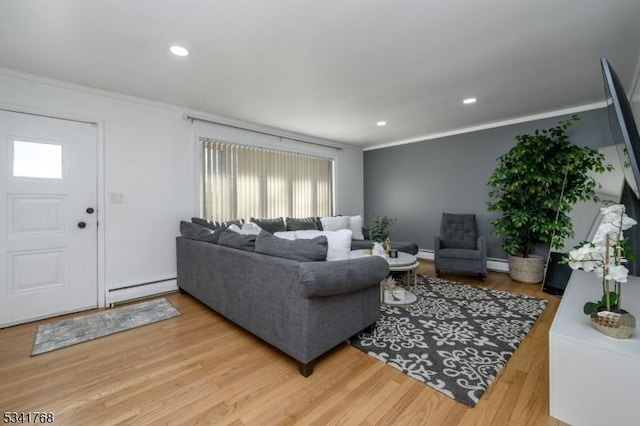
455	338
60	334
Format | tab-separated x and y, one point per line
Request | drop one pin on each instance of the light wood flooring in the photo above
201	369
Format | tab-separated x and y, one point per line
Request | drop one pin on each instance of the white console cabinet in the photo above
593	379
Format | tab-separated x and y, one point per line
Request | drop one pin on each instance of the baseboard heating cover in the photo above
138	291
499	265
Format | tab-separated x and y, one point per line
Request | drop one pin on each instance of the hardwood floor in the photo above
201	369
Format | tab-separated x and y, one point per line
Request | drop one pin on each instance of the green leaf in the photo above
613	299
590	308
379	228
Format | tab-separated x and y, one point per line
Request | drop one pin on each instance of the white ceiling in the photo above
332	69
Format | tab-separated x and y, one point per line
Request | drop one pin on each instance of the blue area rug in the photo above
455	338
60	334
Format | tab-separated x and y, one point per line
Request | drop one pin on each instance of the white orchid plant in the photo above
605	255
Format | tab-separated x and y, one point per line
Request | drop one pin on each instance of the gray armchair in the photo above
458	247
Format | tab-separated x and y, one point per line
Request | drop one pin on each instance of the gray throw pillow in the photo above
309	223
206	223
238	241
270	225
212	224
311	250
194	231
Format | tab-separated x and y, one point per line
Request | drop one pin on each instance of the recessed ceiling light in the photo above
469	101
381	123
179	51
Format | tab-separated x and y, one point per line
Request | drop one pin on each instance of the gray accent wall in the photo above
417	182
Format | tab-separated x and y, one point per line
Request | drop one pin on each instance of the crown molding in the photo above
524	119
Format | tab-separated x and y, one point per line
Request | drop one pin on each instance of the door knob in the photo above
81	225
90	210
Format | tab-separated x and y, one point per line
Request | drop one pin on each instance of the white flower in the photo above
605	245
575	264
618	273
615	209
608	227
627	222
615	215
586	257
613	222
590	265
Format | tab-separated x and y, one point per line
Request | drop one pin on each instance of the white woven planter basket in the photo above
526	269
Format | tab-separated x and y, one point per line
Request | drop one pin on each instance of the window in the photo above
37	160
243	182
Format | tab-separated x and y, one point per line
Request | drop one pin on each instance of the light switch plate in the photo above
116	198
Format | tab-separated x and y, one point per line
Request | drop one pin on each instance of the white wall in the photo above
149	157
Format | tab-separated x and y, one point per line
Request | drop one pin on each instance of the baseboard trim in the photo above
140	291
498	265
425	254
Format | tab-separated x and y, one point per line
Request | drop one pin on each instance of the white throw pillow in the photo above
335	223
234	228
338	242
287	235
355	224
248	228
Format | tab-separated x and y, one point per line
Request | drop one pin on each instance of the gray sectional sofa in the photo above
302	308
411	248
310	223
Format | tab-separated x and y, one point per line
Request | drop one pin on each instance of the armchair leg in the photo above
482	277
438	273
305	369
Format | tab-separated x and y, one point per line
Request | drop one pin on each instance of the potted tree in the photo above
535	186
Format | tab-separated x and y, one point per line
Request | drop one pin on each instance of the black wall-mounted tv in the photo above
623	126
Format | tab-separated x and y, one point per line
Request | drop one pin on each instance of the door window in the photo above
37	160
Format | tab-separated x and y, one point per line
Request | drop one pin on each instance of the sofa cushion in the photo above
411	248
458	231
270	225
232	239
301	250
355	224
459	254
335	223
194	231
338	242
294	224
287	235
366	233
459	244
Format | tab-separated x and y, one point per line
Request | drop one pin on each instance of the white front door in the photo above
48	225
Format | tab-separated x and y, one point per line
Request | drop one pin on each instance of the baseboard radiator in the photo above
499	265
129	292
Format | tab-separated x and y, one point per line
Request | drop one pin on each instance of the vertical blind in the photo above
243	182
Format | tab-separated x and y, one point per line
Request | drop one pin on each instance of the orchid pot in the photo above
605	256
